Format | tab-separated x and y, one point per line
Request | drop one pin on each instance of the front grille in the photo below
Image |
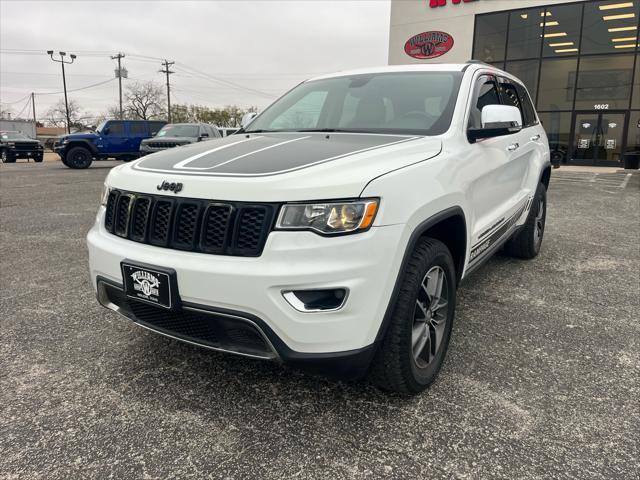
160	145
208	329
26	146
222	228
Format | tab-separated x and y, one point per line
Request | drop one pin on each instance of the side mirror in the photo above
204	135
247	118
497	121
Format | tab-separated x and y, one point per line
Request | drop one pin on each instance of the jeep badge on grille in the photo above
171	186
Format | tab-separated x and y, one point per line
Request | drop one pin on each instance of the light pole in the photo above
64	81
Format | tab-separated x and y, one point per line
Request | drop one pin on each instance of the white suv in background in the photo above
332	231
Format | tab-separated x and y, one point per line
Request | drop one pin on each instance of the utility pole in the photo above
33	104
64	81
120	72
166	64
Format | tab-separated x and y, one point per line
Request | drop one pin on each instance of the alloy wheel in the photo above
539	223
430	317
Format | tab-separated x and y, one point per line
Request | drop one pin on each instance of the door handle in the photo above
513	147
535	138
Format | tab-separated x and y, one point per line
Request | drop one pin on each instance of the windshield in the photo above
13	136
179	131
100	127
416	103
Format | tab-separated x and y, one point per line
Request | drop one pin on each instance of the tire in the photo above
38	159
78	158
400	365
527	242
6	157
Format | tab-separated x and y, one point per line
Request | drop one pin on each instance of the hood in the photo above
276	166
80	136
168	140
23	140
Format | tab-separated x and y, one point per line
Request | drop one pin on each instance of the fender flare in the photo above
81	143
546	167
413	240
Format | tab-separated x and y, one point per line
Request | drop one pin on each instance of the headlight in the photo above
65	141
329	217
105	195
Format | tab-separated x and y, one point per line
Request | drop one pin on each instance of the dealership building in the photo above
579	60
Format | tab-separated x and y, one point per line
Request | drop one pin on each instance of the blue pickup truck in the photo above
119	139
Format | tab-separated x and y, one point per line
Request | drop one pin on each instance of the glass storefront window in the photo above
525	33
562	30
557	84
635	91
558	128
490	37
604	82
527	71
632	152
580	62
610	30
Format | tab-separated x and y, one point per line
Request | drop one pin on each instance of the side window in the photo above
527	107
154	127
486	93
510	96
137	129
116	129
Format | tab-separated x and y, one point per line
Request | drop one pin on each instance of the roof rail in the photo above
479	62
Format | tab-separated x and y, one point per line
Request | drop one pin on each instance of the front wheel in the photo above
38	158
526	243
78	157
6	158
416	342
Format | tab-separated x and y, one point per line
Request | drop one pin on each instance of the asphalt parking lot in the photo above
542	379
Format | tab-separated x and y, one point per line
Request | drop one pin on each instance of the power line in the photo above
225	82
14	102
78	89
24	107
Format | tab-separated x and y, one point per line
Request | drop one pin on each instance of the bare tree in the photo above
144	101
57	115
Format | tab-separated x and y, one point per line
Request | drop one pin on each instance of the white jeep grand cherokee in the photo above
332	231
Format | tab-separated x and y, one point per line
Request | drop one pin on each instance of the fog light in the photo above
322	300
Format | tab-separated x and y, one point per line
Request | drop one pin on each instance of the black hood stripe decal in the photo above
195	157
264	154
244	155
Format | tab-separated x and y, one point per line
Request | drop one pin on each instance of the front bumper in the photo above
366	264
35	153
60	149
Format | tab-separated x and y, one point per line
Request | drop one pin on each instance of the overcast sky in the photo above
265	47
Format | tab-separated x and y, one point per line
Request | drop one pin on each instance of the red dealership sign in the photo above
427	45
442	3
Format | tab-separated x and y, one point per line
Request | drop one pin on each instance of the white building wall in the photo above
26	127
409	17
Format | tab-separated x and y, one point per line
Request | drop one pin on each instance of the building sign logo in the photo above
442	3
427	45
